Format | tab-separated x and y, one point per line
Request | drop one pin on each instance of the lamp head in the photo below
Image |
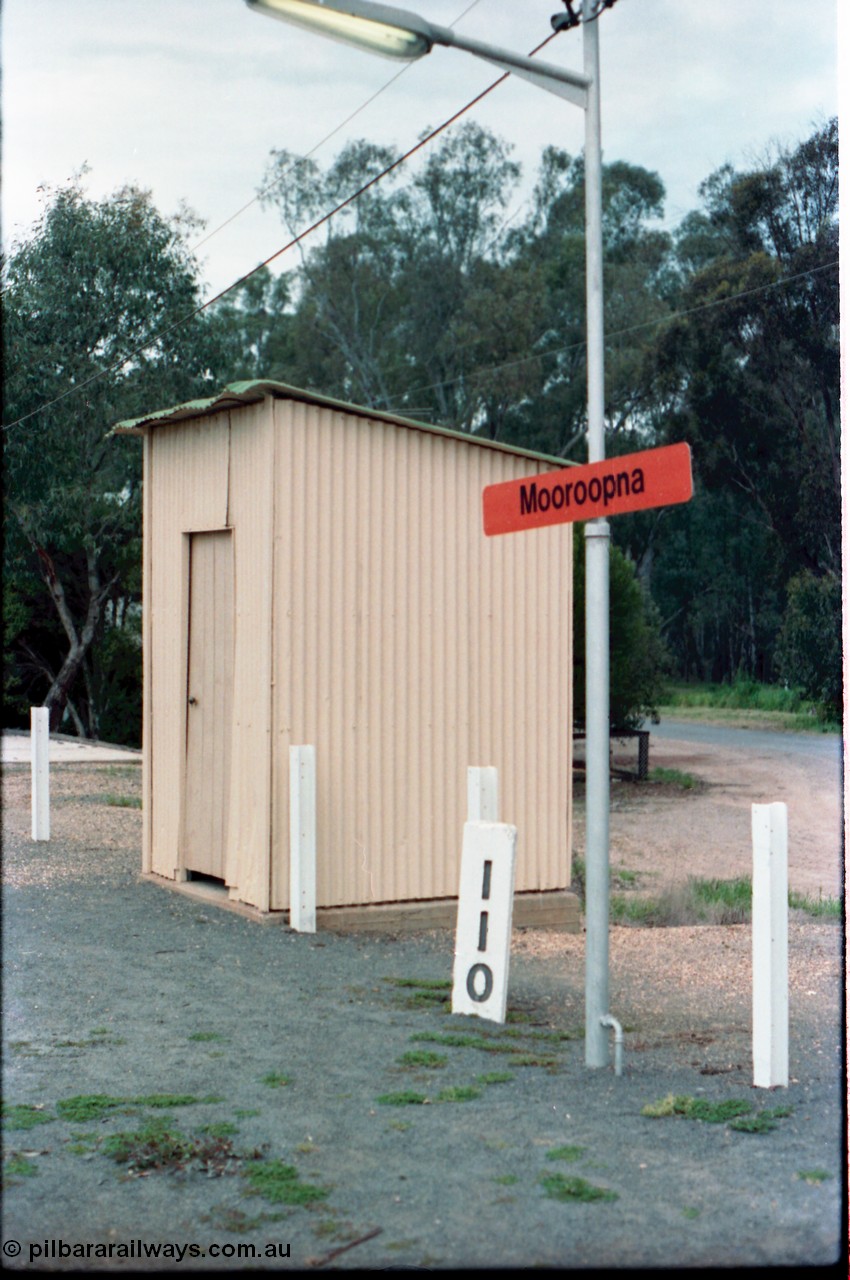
378	28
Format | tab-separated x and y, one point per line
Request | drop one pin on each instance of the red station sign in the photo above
635	482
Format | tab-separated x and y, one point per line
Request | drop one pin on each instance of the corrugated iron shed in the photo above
316	573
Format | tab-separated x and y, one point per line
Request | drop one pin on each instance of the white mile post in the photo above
302	839
40	754
770	945
484	914
482	793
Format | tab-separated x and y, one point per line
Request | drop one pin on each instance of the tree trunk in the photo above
59	691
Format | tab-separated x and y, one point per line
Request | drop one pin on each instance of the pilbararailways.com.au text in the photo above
140	1250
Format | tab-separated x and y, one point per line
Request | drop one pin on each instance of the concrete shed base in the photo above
557	909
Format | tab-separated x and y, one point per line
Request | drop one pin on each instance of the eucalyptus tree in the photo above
749	374
91	301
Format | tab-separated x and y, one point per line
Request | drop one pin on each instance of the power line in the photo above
322	141
483	372
191	315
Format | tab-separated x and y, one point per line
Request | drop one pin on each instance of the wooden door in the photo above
209	695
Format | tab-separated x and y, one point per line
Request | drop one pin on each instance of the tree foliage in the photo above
433	297
89	305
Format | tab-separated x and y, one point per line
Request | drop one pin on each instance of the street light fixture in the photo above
397	33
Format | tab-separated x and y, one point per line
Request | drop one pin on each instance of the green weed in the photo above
280	1184
93	1106
423	984
159	1145
402	1098
813	1176
204	1037
459	1093
423	1058
275	1080
122	802
570	1154
495	1077
219	1129
24	1116
17	1166
763	1122
820	907
506	1179
673	777
697	1108
736	1113
559	1187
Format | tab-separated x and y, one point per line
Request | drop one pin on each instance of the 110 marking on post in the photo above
484	916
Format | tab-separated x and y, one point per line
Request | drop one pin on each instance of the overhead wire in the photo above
343	204
610	335
322	141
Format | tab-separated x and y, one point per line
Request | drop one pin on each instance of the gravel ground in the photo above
116	987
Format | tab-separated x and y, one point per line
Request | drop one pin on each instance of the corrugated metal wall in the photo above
186	476
374	621
407	647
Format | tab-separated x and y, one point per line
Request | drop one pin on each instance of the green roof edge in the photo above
254	390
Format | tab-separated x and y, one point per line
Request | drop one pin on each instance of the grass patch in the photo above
697	1108
423	993
403	1098
244	1113
709	901
275	1080
159	1145
24	1116
763	1122
204	1037
422	984
735	1113
425	1058
93	1106
747	703
570	1154
559	1187
219	1129
122	802
459	1093
17	1166
697	901
813	1176
279	1183
673	777
822	908
495	1077
95	1040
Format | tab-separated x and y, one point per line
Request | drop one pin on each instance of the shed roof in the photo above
251	392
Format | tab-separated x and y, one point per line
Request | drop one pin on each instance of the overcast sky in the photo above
188	97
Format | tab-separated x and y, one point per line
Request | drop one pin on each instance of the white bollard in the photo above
482	793
40	754
302	839
770	945
484	916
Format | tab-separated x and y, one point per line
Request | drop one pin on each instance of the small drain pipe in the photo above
608	1021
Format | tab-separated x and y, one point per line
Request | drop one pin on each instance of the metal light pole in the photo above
397	33
596	533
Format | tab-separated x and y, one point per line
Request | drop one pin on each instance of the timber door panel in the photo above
209	695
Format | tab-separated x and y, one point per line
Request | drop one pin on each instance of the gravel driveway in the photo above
277	1054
